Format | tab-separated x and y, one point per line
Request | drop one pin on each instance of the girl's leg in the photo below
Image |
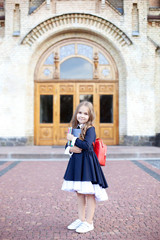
91	205
81	206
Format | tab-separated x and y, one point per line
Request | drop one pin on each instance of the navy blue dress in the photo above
85	166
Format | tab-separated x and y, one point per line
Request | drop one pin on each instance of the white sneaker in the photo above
85	227
75	224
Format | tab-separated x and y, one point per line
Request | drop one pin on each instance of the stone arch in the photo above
76	21
102	40
99	83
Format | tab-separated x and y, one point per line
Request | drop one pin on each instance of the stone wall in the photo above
139	141
138	63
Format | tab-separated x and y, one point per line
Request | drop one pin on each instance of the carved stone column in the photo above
56	63
96	61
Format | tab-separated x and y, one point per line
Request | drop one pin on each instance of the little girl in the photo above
84	174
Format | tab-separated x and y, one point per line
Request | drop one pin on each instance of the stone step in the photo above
57	153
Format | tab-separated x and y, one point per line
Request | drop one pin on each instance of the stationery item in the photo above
69	131
76	132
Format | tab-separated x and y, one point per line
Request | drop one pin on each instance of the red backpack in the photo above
100	150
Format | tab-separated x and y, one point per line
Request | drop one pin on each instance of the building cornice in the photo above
2	17
154	18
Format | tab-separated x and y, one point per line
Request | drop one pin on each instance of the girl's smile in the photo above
82	115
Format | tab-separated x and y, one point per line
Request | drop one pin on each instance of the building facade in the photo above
56	53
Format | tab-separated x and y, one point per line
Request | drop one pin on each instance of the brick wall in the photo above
154	3
138	64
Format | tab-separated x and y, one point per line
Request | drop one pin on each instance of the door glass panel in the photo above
88	98
66	108
106	109
76	68
46	108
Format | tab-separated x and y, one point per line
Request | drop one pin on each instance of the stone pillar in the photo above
16	20
56	63
135	20
96	61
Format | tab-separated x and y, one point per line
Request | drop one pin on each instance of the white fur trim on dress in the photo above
85	188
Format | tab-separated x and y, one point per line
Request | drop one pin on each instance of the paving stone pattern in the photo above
32	205
154	163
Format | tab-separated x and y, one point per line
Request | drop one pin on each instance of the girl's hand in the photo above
70	137
75	149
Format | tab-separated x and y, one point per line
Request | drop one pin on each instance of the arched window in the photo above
76	60
76	68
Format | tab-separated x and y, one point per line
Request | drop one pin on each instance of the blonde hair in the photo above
91	118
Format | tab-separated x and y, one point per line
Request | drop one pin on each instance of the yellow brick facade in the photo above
128	30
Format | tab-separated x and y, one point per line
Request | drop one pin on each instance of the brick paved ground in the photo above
32	206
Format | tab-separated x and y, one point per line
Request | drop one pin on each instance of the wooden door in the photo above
104	97
65	107
45	113
54	105
87	92
107	108
56	102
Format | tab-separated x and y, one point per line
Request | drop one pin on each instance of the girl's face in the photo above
82	115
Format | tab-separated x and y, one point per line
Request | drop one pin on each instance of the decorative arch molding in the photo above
77	20
48	65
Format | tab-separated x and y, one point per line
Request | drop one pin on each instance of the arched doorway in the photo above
71	71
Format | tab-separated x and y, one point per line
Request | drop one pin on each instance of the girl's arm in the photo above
71	149
88	140
75	149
